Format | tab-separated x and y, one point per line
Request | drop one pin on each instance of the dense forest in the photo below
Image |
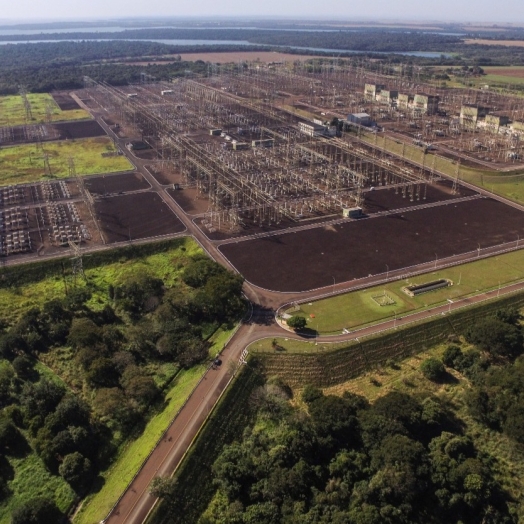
404	458
350	40
42	67
107	358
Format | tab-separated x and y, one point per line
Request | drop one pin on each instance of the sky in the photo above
443	10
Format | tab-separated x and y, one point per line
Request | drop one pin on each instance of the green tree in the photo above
76	470
37	511
84	333
433	369
112	404
23	366
163	487
495	336
297	322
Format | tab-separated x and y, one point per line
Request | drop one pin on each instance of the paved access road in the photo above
136	502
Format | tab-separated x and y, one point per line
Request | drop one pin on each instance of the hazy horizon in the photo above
447	11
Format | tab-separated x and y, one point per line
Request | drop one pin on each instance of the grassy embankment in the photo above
359	309
25	163
195	489
30	290
13	113
300	362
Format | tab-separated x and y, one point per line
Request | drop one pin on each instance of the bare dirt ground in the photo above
106	184
65	101
134	216
190	200
83	129
506	43
363	247
516	72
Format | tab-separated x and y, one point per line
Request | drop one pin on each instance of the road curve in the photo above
135	503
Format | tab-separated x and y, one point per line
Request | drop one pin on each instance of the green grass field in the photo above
25	163
509	185
358	309
13	113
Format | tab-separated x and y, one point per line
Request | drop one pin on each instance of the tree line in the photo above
405	458
111	354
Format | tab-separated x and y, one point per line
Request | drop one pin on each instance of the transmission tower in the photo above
77	265
86	195
27	106
47	167
456	179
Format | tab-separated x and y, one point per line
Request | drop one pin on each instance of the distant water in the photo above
423	54
119	29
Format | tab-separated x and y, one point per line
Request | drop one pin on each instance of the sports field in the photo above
26	163
13	111
361	308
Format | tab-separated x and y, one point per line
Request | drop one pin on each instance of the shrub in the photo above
433	369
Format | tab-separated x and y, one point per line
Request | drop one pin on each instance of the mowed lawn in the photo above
13	112
357	309
509	185
26	163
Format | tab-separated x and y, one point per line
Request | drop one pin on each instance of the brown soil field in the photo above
506	43
65	102
304	260
134	216
517	72
106	184
377	201
83	129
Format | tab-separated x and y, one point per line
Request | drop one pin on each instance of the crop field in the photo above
26	163
358	309
13	113
365	247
